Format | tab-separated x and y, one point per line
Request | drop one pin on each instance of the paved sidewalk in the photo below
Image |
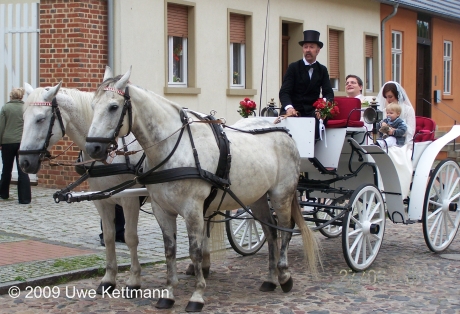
43	241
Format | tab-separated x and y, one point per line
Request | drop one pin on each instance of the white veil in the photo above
407	112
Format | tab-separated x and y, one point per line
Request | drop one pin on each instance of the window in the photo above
396	56
237	51
447	67
369	63
177	45
334	61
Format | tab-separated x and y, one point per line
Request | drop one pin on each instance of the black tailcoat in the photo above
300	91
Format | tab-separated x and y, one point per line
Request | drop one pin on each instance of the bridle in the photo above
56	113
127	107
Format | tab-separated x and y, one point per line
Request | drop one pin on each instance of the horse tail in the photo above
310	243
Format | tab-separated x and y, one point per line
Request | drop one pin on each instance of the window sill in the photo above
241	92
182	90
340	93
447	96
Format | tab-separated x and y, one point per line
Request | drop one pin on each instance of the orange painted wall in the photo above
404	21
446	112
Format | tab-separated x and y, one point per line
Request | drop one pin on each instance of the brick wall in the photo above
73	49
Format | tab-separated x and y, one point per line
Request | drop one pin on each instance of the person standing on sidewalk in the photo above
11	126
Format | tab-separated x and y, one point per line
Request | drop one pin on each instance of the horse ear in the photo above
121	84
108	73
28	88
51	93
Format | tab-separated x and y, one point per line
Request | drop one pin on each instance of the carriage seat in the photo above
349	114
424	129
424	135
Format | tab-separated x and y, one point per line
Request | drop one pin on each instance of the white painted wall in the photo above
140	42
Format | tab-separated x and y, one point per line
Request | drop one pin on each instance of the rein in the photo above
56	113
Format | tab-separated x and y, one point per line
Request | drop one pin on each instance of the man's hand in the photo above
291	112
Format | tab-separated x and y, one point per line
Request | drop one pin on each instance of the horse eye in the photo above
113	108
40	120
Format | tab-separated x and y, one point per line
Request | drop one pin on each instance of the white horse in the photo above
76	112
261	165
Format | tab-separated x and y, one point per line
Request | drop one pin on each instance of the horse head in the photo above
112	112
41	130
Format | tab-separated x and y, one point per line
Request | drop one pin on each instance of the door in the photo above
423	101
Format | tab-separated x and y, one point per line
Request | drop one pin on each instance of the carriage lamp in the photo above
269	110
373	115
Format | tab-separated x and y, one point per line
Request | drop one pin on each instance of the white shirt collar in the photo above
306	63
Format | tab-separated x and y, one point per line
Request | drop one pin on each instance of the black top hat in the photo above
311	36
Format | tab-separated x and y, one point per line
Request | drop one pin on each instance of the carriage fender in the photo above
391	187
422	172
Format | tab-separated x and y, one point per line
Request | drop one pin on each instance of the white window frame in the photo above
334	83
183	82
242	72
396	56
447	68
369	74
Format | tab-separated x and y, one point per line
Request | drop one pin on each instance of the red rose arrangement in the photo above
247	107
326	109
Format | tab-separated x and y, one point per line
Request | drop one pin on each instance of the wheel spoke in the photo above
453	187
244	233
435	222
355	231
358	242
435	212
355	242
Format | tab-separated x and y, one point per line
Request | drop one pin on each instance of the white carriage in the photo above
350	187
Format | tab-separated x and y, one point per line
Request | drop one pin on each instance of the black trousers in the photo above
9	152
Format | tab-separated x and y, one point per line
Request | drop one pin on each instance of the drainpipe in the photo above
395	9
110	34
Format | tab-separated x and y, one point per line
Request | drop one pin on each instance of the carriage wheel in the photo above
441	214
363	227
330	231
244	234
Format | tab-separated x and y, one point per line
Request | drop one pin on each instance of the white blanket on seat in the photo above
401	157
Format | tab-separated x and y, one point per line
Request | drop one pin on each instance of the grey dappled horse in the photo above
76	112
261	165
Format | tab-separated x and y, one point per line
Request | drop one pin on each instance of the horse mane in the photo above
113	80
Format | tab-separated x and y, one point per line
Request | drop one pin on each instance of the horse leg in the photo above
195	227
131	213
206	265
285	220
261	211
107	213
167	222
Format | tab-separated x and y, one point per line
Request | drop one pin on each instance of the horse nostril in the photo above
24	164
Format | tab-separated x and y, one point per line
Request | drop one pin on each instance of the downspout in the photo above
110	33
395	9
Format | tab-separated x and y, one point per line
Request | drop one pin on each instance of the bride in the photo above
401	156
394	92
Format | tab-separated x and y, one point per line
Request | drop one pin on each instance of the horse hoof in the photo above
131	292
194	306
206	272
267	286
105	287
287	286
164	303
190	270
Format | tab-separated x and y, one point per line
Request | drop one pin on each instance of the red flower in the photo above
247	107
326	109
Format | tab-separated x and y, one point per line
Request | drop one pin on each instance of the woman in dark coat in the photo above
11	126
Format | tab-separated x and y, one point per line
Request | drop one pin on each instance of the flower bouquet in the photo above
247	107
326	109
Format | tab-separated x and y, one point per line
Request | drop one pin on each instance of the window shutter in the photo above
333	54
177	20
237	28
369	47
